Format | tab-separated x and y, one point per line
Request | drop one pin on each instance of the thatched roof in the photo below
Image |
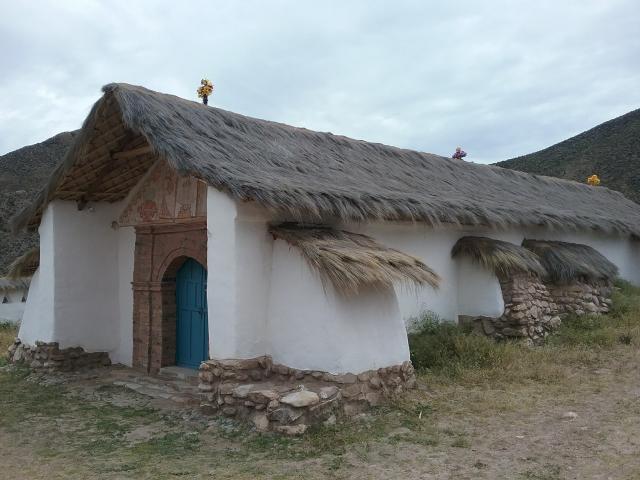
565	261
350	261
502	258
25	265
310	176
12	284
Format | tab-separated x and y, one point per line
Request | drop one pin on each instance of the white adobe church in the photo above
174	233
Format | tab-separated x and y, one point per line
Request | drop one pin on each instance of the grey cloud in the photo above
500	78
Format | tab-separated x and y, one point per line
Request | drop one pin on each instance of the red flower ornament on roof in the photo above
204	90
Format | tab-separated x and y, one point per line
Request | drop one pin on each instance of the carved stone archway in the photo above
159	252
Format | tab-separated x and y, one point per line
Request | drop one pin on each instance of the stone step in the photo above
175	389
172	373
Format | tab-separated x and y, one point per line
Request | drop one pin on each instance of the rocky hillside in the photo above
22	173
611	150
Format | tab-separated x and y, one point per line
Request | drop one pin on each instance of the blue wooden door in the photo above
192	332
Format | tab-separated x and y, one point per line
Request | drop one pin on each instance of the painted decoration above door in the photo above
164	197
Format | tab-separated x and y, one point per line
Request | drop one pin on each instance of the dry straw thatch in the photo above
351	262
25	265
311	176
565	262
502	258
11	285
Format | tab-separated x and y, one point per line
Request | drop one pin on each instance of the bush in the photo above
588	330
626	300
442	345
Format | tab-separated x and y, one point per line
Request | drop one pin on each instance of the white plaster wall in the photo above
454	297
13	310
253	269
238	278
126	237
38	318
434	248
221	274
478	291
310	328
74	296
86	276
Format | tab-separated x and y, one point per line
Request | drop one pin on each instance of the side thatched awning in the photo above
566	261
502	258
25	265
11	285
350	261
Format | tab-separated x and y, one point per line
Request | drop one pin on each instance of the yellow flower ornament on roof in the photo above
593	180
204	90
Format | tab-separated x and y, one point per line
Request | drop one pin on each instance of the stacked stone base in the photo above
533	309
50	358
580	298
279	398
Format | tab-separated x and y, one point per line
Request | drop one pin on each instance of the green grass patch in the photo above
8	333
448	352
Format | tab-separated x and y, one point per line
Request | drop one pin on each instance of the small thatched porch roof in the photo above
502	258
564	261
25	265
350	261
309	176
11	284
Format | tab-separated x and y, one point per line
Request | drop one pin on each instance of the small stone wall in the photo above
581	297
49	357
532	309
276	397
529	310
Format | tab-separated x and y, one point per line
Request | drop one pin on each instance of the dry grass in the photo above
314	176
564	262
447	353
25	265
351	261
8	333
483	410
502	258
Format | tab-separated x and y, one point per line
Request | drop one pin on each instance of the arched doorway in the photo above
192	332
160	252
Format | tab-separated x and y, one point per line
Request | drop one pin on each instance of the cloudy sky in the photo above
500	78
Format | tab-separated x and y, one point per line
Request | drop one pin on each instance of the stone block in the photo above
302	398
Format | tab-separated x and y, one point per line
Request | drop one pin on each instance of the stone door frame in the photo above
160	250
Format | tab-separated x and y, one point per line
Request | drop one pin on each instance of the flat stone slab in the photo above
301	398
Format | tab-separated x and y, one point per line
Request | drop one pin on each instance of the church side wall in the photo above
126	238
38	319
313	328
221	274
459	292
86	276
479	291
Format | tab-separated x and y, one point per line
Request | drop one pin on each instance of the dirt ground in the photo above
583	423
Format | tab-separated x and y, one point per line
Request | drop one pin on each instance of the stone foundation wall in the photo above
49	357
529	310
582	297
533	309
276	397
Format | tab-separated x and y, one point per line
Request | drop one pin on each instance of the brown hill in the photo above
23	172
611	150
